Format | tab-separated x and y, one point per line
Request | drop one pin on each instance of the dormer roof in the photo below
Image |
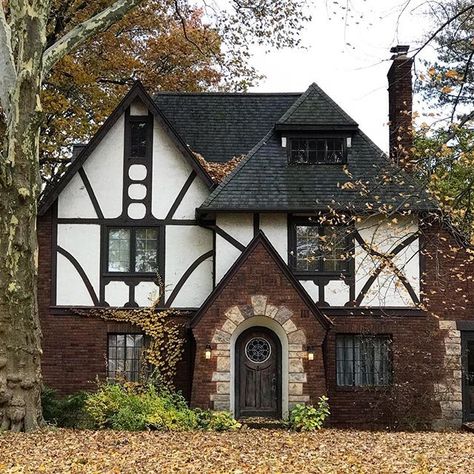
315	110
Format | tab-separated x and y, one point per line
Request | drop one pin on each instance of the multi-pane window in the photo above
125	356
133	250
310	150
363	360
321	248
138	139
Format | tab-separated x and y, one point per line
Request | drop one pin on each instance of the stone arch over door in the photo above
293	341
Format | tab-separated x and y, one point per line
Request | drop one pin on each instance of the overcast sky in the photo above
348	57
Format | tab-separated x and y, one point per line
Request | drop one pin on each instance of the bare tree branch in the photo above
441	28
82	32
7	63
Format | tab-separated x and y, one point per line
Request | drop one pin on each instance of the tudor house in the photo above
316	266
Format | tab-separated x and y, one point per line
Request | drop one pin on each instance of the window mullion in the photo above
133	249
320	251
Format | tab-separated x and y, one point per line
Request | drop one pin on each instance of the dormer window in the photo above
314	150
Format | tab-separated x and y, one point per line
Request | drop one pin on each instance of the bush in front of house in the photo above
136	407
65	412
216	420
308	417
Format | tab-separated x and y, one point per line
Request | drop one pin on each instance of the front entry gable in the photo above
258	270
258	299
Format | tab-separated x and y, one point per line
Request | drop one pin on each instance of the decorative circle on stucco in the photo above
258	350
234	316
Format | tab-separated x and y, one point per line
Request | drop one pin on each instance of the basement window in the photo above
124	359
133	250
314	150
363	360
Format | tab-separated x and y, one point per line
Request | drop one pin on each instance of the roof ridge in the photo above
237	94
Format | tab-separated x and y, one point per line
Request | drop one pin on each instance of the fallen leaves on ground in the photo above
247	450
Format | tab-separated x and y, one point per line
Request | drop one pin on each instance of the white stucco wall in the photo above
104	168
193	198
238	226
275	227
184	245
116	293
137	107
82	241
336	293
383	236
146	293
74	201
170	172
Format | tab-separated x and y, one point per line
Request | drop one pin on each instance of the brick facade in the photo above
426	344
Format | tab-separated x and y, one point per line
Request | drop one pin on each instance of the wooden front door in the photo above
258	373
468	375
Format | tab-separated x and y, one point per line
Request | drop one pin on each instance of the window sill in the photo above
311	275
363	388
129	275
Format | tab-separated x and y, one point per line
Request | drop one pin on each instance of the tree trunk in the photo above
20	335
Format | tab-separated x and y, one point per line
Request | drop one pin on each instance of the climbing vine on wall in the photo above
165	342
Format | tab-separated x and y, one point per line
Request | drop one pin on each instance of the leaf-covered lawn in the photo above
326	451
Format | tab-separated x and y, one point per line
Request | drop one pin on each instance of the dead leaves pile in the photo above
248	450
218	171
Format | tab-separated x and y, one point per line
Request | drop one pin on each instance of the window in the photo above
125	356
310	150
363	360
138	138
320	248
133	250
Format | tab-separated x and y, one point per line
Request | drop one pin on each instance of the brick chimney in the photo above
400	97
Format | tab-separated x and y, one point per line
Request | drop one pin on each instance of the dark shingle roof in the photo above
220	126
265	181
316	108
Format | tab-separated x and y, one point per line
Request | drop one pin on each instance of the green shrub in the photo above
216	420
136	407
65	412
308	417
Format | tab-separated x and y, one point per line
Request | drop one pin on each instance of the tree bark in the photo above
20	349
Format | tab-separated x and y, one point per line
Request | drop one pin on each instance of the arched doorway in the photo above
258	373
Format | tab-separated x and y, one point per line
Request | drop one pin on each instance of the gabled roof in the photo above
137	91
220	126
261	239
315	109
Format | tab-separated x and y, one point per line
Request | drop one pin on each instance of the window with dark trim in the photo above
363	360
124	356
139	132
313	150
133	250
317	248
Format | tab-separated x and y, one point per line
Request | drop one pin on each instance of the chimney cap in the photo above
399	50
